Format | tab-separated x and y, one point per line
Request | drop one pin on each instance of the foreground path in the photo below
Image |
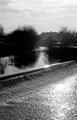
52	97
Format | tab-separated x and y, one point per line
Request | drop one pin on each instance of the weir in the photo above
32	74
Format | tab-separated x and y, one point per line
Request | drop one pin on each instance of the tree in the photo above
1	33
2	42
1	30
68	37
64	52
22	43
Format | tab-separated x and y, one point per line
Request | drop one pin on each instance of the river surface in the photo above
41	61
56	100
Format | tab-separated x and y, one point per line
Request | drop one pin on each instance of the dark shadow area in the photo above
62	53
20	44
25	59
64	47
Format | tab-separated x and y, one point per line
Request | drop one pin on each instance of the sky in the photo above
43	15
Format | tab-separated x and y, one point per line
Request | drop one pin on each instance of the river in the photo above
41	61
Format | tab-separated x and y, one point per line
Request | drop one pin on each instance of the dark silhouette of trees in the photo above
68	37
61	54
1	34
2	48
66	50
21	44
2	41
1	30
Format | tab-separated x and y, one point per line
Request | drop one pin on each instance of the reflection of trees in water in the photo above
7	65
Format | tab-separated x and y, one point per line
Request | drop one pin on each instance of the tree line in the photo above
65	47
19	43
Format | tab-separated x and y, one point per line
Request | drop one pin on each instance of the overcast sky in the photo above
43	15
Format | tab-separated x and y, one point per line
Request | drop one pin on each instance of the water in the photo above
56	101
42	60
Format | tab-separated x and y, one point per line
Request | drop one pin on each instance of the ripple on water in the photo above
60	97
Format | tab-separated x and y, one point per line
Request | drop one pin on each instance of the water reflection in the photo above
41	61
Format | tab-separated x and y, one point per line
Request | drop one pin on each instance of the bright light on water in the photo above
41	60
60	97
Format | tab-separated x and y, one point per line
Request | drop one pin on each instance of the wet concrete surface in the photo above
52	97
